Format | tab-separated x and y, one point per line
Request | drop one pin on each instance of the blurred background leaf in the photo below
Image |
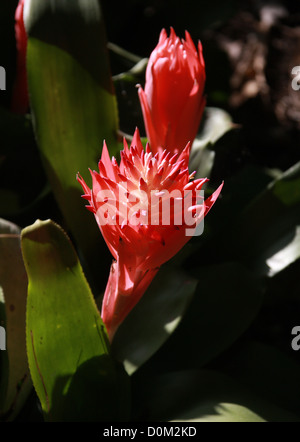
265	235
215	123
203	396
154	318
221	310
125	83
15	382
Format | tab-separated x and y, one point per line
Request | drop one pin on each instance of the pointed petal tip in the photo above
172	33
162	36
91	209
148	148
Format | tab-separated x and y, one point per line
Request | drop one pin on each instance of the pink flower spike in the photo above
172	101
137	214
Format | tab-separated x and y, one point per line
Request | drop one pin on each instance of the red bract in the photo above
144	208
20	101
173	102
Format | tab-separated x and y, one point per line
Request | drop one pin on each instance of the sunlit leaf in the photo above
68	351
73	105
216	122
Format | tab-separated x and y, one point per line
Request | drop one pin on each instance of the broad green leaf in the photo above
73	105
154	318
216	122
15	383
68	351
227	299
203	396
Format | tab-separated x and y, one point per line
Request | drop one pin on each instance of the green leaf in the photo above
266	234
121	59
73	105
227	299
221	412
68	351
203	396
216	122
154	318
128	101
289	253
15	383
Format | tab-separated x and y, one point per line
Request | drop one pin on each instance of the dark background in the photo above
250	48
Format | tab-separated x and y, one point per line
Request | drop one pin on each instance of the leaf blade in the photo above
73	105
64	328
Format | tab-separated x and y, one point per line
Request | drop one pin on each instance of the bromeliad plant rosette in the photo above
146	208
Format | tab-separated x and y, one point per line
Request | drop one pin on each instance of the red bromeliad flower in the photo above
128	202
173	101
20	100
